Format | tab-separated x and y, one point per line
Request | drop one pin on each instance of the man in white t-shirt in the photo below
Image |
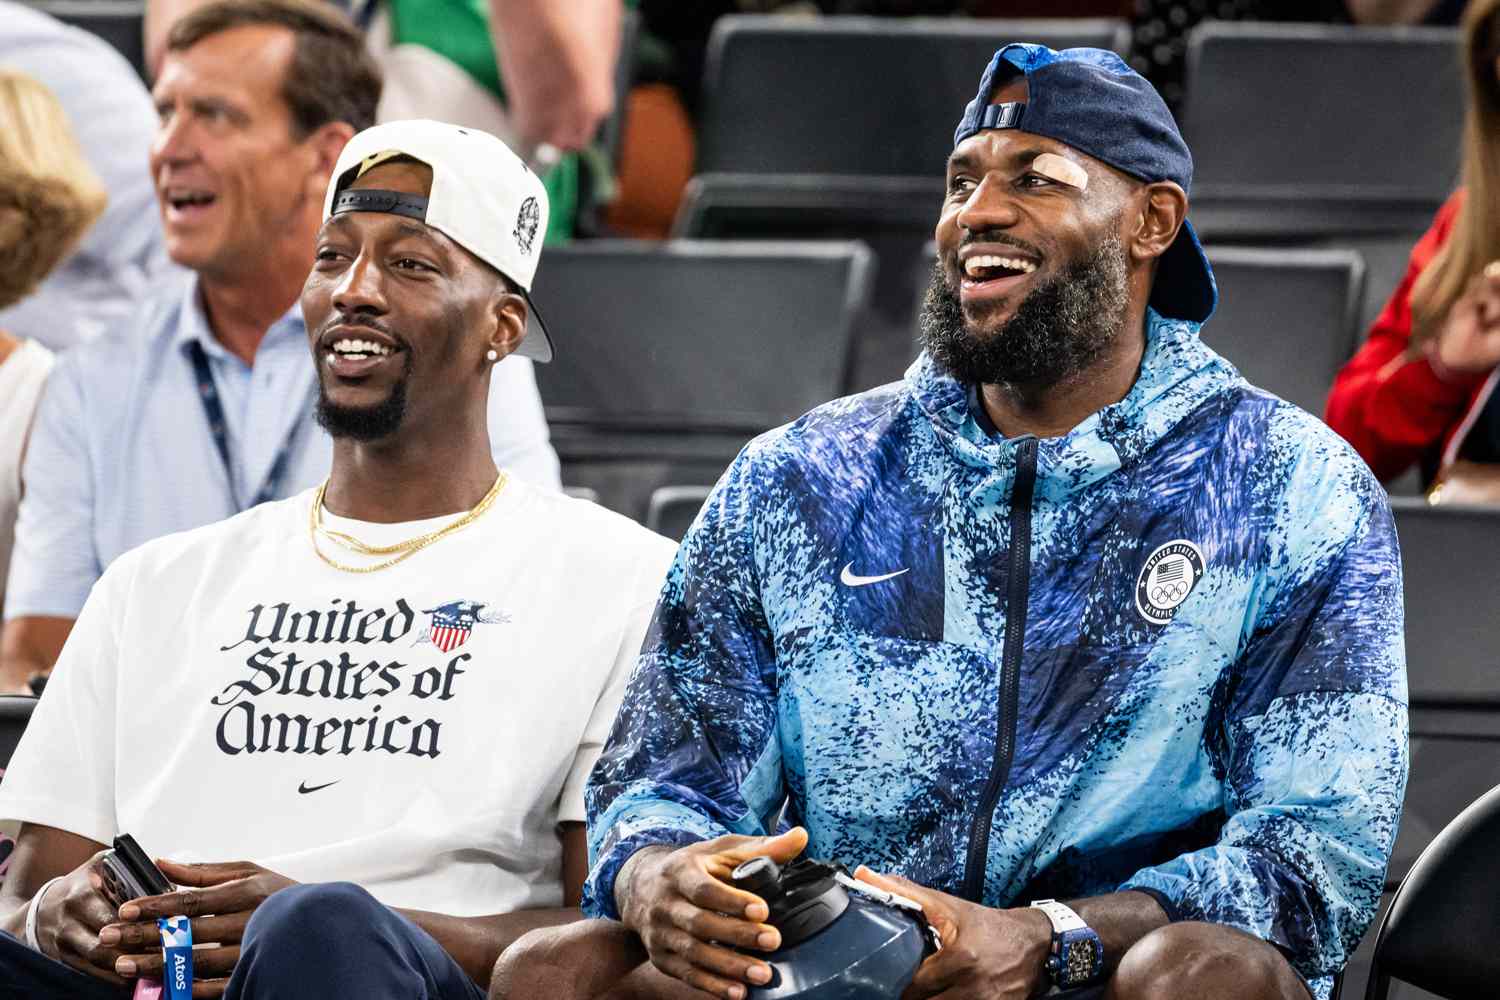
390	690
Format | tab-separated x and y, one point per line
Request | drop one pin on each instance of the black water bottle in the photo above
840	939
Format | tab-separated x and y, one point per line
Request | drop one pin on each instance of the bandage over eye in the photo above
1064	171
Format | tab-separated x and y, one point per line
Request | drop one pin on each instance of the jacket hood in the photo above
1178	374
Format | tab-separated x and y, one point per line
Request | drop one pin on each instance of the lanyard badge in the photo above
177	957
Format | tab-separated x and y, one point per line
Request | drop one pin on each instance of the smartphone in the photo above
129	874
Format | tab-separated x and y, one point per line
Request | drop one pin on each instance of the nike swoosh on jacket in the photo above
1243	759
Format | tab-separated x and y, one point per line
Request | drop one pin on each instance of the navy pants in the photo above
309	941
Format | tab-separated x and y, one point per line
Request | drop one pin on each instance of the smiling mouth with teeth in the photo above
987	267
348	348
190	198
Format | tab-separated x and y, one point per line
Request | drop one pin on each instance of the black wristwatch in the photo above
1076	957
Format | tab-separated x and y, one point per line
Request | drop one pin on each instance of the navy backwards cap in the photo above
1091	100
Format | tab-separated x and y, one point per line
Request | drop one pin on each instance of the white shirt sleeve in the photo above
63	772
649	579
54	562
518	426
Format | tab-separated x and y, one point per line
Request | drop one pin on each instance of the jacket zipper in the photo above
1017	588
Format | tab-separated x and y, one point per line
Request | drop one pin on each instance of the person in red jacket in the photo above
1422	388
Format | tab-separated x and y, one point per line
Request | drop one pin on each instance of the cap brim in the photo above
537	344
1185	286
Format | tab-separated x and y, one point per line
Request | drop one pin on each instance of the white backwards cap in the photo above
483	197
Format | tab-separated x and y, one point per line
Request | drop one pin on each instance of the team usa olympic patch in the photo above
1168	577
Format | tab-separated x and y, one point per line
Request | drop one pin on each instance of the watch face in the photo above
1080	959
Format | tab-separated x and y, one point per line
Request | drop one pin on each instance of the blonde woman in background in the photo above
49	197
1421	391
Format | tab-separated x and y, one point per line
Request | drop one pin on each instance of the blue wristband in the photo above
176	956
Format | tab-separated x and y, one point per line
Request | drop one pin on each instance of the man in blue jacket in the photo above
1073	612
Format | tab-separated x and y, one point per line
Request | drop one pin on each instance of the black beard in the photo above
1055	335
364	423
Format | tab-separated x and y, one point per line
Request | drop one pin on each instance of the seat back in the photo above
1449	560
1448	557
895	216
697	335
1286	318
1321	128
856	95
15	712
1438	933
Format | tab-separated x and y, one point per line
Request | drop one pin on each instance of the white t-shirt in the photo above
420	730
22	376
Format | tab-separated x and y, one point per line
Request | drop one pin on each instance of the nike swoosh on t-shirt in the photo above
315	788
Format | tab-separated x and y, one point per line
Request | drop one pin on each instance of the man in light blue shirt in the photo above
102	283
203	406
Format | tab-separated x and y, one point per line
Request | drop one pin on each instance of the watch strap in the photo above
1062	916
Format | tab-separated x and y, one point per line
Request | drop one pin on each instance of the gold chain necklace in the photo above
403	550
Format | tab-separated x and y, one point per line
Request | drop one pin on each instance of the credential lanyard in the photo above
213	409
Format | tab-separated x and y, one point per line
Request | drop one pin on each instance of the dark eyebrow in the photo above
439	243
206	105
961	161
417	230
336	222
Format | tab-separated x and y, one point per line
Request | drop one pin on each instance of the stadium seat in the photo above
1321	129
673	509
1435	935
118	22
839	128
855	95
1324	136
15	712
671	356
1448	557
1287	317
894	216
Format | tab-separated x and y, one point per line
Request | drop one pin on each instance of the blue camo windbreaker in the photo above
1163	652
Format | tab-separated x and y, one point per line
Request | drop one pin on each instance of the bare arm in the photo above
1002	952
557	61
29	646
1388	11
476	942
41	853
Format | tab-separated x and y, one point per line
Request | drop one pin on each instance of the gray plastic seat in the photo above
895	216
697	335
1449	557
1320	129
670	356
856	95
1287	318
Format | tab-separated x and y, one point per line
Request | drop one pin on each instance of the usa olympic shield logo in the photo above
1168	577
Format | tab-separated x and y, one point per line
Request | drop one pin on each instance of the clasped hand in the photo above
80	925
691	920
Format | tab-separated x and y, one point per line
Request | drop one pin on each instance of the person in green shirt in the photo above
551	64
